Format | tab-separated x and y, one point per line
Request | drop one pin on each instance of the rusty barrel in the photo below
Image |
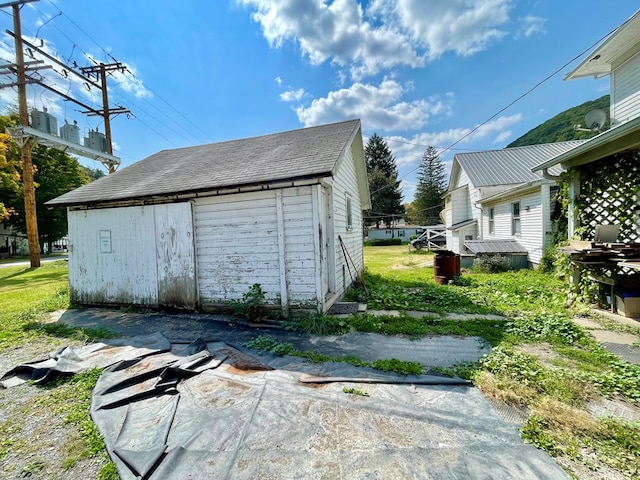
446	266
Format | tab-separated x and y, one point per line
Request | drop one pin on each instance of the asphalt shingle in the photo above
295	154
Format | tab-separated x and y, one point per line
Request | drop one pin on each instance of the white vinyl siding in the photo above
625	90
531	235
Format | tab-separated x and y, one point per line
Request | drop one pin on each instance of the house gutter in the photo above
600	140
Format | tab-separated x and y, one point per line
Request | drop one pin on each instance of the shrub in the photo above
252	304
492	263
381	242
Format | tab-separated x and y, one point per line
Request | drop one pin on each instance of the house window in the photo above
401	233
349	216
515	218
492	226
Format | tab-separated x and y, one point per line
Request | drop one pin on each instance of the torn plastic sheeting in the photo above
231	423
141	442
132	381
70	360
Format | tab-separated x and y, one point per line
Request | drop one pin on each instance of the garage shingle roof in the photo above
296	154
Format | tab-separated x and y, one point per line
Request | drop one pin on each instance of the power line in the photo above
520	97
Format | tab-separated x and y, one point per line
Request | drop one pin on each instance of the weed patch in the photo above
265	343
355	391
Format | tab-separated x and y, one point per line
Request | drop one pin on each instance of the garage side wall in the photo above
112	257
345	189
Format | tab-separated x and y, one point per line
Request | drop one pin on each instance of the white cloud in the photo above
380	107
278	80
127	80
532	25
461	26
292	95
387	34
408	151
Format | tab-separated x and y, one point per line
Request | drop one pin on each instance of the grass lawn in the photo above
541	363
58	413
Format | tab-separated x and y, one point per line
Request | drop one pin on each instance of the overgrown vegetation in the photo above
265	343
542	362
252	304
26	297
492	264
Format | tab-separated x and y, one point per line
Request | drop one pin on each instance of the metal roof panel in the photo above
511	166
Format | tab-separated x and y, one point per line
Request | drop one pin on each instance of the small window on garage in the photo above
349	214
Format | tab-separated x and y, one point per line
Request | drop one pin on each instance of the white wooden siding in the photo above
238	245
460	205
345	183
122	268
531	235
625	90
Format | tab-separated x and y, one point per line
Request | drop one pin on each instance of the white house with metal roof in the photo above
619	58
196	227
604	171
494	196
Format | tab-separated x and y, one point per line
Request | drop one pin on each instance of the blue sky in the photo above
417	72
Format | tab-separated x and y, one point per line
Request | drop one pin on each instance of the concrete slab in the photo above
607	336
391	313
430	351
587	323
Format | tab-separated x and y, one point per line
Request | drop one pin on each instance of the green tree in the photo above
94	173
384	186
9	171
432	184
56	173
562	127
410	213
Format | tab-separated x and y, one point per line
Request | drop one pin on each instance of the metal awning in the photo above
459	225
495	246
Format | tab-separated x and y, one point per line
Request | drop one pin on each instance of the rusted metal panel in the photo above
175	257
112	256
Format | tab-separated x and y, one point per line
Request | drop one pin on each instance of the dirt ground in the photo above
45	438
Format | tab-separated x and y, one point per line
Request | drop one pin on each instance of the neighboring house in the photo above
12	243
403	232
196	227
604	171
618	57
494	196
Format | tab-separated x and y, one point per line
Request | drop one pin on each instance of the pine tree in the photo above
428	201
384	186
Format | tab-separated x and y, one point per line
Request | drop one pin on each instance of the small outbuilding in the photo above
196	227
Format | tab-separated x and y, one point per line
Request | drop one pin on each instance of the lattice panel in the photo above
610	194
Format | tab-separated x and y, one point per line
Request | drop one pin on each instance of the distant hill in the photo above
561	127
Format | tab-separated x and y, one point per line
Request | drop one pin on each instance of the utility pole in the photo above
100	72
28	186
